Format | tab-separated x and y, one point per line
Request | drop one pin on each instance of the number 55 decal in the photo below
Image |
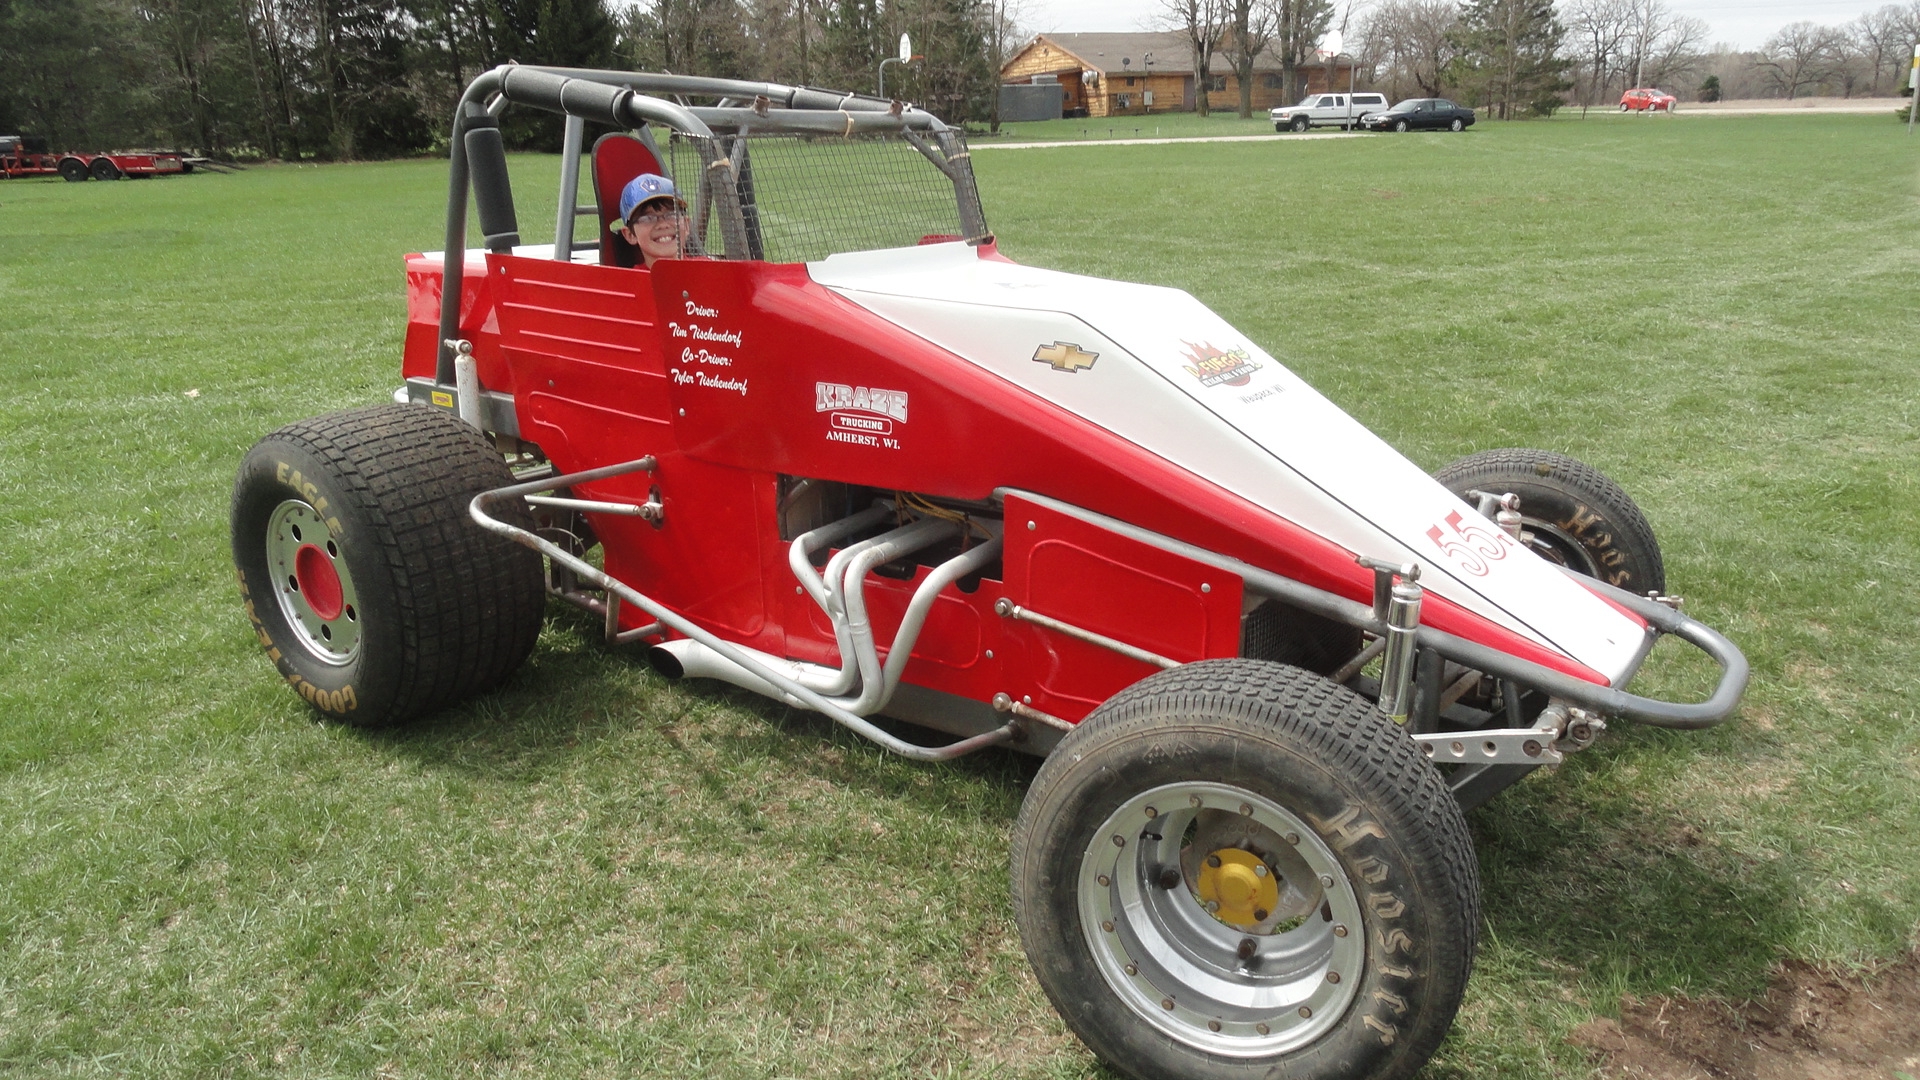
1471	547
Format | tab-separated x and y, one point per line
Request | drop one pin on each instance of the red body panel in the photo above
19	165
734	373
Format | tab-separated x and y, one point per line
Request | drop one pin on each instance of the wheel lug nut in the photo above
1259	869
1166	1003
1305	1013
1104	880
1169	877
1107	926
1259	914
1293	838
1246	809
1213	905
1339	931
1132	969
1213	861
1247	948
1152	813
1121	841
1213	1025
1333	976
1195	800
1261	1028
1326	880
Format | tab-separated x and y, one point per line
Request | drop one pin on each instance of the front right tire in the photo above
1238	870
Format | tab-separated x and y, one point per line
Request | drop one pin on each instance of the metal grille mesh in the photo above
805	197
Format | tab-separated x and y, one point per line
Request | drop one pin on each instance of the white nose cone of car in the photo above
1177	380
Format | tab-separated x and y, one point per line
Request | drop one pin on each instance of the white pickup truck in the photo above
1322	110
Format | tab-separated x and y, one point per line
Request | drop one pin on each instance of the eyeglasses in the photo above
652	218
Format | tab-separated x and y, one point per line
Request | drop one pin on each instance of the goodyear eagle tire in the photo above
1237	869
375	594
1570	513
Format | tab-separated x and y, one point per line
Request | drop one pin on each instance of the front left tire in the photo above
1237	869
375	595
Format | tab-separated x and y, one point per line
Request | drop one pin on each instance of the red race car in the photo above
1647	99
840	450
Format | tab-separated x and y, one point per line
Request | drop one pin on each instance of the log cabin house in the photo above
1107	75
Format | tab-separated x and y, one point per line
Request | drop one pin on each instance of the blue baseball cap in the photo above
645	188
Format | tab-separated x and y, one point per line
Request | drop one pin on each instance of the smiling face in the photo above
658	228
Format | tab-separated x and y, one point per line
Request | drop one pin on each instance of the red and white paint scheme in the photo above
1269	659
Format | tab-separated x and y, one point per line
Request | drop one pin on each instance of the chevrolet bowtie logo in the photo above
1064	356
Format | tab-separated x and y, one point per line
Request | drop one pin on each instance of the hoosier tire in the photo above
1237	869
1570	513
374	593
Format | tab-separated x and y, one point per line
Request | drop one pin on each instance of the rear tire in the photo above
1235	870
104	169
1457	125
375	594
1570	514
73	170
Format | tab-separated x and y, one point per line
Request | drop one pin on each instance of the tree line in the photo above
344	79
341	79
1588	52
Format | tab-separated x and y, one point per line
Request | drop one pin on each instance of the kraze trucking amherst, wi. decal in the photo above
861	415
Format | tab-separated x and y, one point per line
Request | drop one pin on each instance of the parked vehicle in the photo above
850	456
1647	99
1422	114
27	155
1327	110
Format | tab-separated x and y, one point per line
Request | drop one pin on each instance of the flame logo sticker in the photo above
1217	367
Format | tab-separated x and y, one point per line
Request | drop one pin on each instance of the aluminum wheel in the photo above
311	583
1222	919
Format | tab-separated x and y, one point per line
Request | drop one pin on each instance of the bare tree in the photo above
1599	30
1298	25
1673	52
1799	56
1408	42
1249	30
1202	21
1882	41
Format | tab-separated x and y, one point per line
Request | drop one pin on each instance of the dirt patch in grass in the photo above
1811	1025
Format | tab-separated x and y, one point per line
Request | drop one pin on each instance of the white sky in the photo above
1744	24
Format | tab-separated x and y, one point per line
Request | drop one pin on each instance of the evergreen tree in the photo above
1509	56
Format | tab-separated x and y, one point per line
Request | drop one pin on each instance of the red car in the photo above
1647	99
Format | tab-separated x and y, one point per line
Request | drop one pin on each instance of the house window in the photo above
1271	82
1129	82
1123	101
1216	84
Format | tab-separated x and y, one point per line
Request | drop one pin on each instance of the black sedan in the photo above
1414	113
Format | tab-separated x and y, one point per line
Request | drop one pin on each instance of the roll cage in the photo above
636	100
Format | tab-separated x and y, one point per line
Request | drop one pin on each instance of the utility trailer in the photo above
27	155
848	454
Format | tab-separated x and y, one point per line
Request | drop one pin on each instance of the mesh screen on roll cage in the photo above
805	197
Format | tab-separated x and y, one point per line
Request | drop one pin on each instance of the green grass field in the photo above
596	874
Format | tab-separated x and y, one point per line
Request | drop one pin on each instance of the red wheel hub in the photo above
318	581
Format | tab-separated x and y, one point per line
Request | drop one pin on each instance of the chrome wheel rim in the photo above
311	584
1249	988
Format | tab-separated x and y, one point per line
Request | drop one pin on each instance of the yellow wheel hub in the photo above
1237	888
